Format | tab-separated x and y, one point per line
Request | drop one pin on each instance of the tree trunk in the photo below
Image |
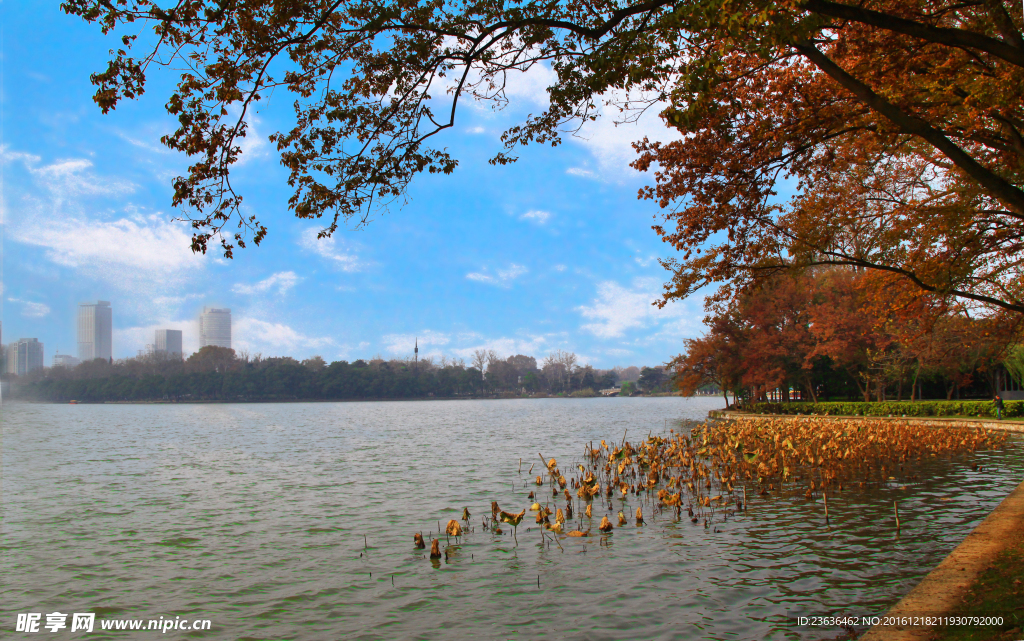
865	390
810	389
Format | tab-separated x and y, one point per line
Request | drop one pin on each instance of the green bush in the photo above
1011	409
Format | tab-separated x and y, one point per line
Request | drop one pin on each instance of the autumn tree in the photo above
711	359
899	124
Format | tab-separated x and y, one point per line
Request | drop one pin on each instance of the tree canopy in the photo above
897	125
835	332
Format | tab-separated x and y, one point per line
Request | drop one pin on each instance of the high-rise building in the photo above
168	341
65	360
95	331
215	327
24	356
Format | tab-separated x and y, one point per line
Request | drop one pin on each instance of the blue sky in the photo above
554	252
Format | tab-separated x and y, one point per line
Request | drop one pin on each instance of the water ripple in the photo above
254	516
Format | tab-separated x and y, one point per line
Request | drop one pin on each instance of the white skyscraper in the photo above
215	327
168	341
65	360
95	330
24	355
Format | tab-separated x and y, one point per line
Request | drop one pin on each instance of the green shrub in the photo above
984	409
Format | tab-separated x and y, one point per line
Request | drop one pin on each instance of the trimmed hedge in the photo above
1011	409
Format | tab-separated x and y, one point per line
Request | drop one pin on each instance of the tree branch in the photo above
941	35
1004	191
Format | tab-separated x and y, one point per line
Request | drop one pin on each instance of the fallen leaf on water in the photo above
578	533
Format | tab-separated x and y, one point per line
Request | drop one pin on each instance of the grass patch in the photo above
999	591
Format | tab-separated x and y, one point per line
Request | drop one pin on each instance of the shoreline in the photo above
339	400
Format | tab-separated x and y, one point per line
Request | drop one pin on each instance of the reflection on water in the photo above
254	516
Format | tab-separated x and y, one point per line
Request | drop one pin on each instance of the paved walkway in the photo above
942	591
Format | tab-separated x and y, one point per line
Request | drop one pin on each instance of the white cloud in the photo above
282	281
476	130
404	343
31	309
530	345
254	145
610	140
68	178
618	310
531	85
258	336
560	268
503	277
129	340
464	344
128	252
579	171
536	216
330	249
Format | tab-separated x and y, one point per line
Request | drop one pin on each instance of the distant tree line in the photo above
219	374
840	333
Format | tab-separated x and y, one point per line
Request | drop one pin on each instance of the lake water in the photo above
254	516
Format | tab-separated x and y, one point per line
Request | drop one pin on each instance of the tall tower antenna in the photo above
416	351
